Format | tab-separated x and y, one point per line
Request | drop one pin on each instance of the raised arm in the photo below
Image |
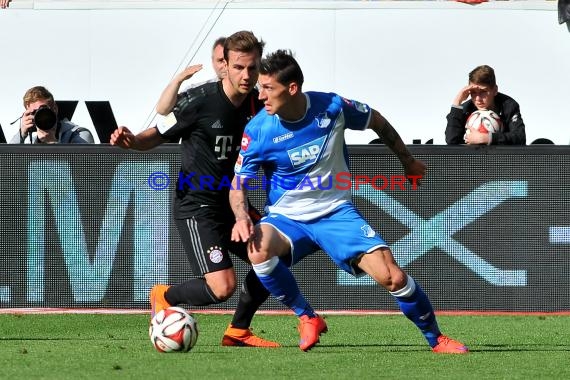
167	99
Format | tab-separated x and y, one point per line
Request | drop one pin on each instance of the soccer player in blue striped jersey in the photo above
299	138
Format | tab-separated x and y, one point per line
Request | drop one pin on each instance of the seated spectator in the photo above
484	95
40	124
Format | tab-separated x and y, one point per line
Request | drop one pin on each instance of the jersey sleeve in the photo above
514	133
250	155
182	117
357	114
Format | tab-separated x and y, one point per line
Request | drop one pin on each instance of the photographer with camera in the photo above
40	125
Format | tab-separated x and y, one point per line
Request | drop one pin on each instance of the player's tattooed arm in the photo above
238	197
414	169
390	136
243	228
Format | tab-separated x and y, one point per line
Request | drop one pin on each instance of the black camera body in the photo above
44	118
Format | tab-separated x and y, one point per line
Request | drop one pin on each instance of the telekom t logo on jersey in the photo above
223	146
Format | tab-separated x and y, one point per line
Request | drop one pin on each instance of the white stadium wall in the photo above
407	59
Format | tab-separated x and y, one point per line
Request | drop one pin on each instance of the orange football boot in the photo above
157	300
310	330
446	345
234	336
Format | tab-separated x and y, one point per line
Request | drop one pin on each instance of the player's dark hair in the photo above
244	42
484	75
283	66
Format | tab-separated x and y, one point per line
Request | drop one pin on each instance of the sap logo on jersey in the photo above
306	154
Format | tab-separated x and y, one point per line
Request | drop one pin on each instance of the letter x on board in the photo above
437	231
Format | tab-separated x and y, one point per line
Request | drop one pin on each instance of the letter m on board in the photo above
50	184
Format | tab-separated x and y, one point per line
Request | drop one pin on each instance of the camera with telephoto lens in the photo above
44	118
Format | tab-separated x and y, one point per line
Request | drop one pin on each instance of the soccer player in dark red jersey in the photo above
209	121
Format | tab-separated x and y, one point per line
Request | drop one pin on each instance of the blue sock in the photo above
279	280
416	306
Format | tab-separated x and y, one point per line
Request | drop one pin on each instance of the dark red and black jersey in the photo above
210	129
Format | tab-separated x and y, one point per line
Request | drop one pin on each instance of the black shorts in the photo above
206	238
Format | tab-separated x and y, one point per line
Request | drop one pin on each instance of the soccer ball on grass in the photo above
173	330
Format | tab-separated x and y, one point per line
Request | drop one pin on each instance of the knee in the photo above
259	256
223	290
398	280
260	252
268	243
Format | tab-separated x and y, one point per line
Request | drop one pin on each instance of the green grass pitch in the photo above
116	346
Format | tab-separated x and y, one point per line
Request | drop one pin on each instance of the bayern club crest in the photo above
215	254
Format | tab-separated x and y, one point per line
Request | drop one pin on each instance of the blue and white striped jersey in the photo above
302	160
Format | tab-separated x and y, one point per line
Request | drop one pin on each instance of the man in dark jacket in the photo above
484	95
